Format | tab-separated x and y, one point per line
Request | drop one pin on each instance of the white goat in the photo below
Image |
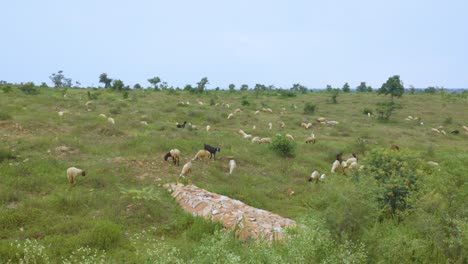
232	165
186	169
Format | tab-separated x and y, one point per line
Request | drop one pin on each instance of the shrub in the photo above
28	88
115	111
283	146
4	116
93	96
6	89
367	111
106	235
5	154
397	177
245	102
212	101
309	108
385	110
448	120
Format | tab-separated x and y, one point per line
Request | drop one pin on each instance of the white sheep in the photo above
111	120
332	123
322	177
256	140
228	106
208	128
254	127
174	154
267	110
281	124
230	116
186	169
102	115
466	129
335	166
201	154
258	111
72	173
232	165
61	113
311	139
314	176
270	126
265	140
237	110
321	120
144	123
290	136
432	163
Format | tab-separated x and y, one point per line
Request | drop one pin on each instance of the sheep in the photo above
230	116
270	126
303	125
353	159
247	136
311	139
228	106
192	126
256	140
181	125
321	120
254	127
267	110
281	124
232	165
201	154
72	173
237	110
258	111
322	177
308	125
395	147
208	128
290	136
466	129
174	154
60	113
212	150
200	102
332	123
265	141
186	169
335	166
144	123
314	176
102	115
368	114
111	120
443	132
432	163
435	130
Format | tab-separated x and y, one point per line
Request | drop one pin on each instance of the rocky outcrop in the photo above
248	222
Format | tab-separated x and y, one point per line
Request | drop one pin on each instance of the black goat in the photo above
455	132
182	125
212	150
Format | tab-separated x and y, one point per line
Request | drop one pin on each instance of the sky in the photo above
270	42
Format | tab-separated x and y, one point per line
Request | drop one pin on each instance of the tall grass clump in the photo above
309	108
282	146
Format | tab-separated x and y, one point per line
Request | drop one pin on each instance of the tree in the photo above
232	87
137	86
201	85
334	94
299	88
163	86
329	88
346	88
154	81
393	86
59	80
105	80
362	88
369	89
244	87
189	88
118	85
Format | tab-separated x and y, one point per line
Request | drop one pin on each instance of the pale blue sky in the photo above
314	43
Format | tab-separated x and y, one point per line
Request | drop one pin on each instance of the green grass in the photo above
341	213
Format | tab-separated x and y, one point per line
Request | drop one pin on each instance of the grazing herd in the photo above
209	152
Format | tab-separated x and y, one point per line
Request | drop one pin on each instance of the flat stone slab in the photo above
249	222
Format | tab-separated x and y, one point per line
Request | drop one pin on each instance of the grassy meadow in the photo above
120	213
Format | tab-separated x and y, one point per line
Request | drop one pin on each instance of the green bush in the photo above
106	235
385	110
367	111
6	89
448	120
4	116
245	102
283	146
309	108
29	88
5	155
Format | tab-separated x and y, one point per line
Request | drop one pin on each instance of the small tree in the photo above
362	88
329	88
244	87
118	85
369	89
346	88
189	88
201	85
155	81
385	110
297	87
392	86
59	80
309	108
334	94
105	80
137	86
232	88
